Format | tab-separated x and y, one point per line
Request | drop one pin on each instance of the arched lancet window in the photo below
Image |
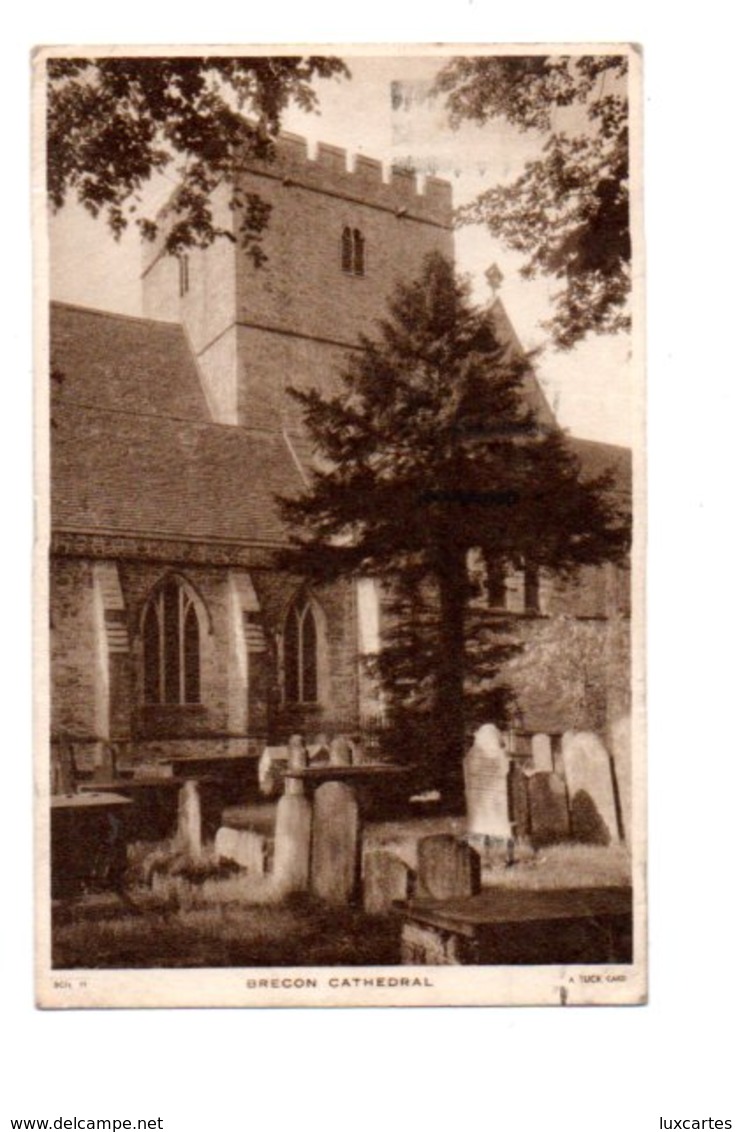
171	646
358	252
300	654
184	282
347	250
353	251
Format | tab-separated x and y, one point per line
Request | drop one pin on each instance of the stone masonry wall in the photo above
298	313
228	710
73	650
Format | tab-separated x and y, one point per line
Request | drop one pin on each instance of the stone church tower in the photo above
337	242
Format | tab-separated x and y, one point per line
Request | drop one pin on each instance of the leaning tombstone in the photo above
387	878
548	809
541	752
486	786
447	867
292	839
335	873
590	783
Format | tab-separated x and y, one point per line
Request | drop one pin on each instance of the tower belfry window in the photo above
353	251
183	276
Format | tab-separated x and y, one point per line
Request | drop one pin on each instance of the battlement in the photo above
359	178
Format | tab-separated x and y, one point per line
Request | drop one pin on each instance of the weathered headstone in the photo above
297	753
548	808
319	751
189	819
104	762
292	840
359	754
541	752
486	785
336	843
243	846
446	867
590	784
271	769
386	878
340	752
518	791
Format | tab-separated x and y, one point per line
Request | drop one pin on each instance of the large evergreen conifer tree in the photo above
430	451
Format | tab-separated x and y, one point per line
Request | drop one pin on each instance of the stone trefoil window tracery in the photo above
300	654
172	646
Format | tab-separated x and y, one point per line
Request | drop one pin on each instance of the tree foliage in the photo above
568	211
113	123
430	450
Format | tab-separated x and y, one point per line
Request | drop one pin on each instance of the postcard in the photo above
341	526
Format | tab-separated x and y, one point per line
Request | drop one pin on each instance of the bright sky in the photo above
589	387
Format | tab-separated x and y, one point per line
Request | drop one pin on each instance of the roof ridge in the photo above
599	443
105	410
99	311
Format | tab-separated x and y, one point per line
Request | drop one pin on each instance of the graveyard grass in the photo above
236	920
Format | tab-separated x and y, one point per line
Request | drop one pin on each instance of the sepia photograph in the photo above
340	547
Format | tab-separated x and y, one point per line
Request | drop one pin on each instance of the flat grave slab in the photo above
516	926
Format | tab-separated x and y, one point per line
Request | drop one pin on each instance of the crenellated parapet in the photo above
359	179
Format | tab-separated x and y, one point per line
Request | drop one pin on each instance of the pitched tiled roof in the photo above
597	458
126	473
133	450
113	361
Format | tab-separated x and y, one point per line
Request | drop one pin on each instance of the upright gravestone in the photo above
446	867
297	753
318	753
548	809
292	839
387	878
541	752
245	847
189	819
340	752
359	755
518	793
486	785
271	768
588	774
335	872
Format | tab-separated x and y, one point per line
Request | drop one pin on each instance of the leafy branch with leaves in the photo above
114	123
568	212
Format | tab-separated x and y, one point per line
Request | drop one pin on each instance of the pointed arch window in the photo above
184	282
353	251
172	646
300	654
